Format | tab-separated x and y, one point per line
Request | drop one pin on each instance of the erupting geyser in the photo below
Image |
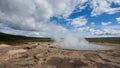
69	40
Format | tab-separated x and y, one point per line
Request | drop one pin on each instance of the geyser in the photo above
69	40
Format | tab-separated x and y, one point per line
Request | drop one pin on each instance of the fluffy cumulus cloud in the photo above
118	20
29	15
104	6
80	21
32	15
20	14
113	30
106	31
106	23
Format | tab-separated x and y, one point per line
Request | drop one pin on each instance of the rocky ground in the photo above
46	55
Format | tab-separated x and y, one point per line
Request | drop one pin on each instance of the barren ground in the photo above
46	55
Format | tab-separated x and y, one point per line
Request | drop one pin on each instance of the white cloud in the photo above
81	30
95	31
103	6
109	30
118	20
80	21
106	23
92	23
34	14
81	4
30	15
116	1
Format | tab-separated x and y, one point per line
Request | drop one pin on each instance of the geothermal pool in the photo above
89	46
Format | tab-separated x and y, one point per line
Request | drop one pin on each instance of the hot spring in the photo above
72	41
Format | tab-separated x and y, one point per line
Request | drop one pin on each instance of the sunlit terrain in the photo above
20	51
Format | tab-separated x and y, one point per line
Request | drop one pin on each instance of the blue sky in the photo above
92	18
87	13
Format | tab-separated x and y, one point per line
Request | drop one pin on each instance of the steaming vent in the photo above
72	41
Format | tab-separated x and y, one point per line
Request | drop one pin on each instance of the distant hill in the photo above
19	39
114	40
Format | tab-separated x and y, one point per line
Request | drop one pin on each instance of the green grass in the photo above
16	38
20	39
115	40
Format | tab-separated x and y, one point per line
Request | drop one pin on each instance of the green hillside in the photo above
115	40
20	39
17	38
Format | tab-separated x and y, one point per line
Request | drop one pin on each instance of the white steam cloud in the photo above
71	41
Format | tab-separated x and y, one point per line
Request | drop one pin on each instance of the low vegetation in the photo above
114	40
17	39
7	38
